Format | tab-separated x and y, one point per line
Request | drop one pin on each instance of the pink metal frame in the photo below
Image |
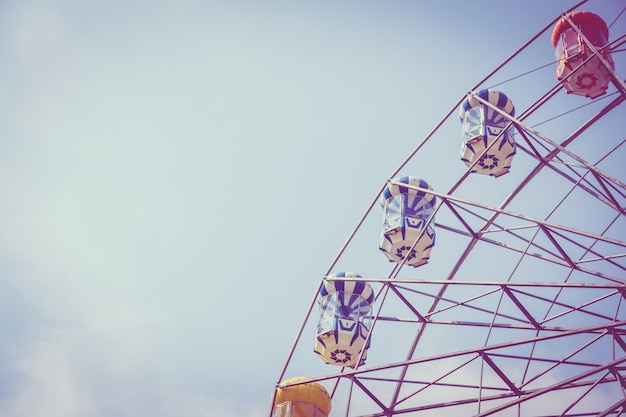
531	344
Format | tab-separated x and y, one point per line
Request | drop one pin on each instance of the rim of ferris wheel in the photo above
584	64
563	333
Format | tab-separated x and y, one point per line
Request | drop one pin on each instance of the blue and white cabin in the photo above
344	320
486	146
407	236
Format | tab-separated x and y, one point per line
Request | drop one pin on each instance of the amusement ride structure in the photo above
501	292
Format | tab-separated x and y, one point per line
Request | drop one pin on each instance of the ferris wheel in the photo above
501	292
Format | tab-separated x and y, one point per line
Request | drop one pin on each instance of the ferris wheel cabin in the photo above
344	320
295	397
407	235
487	145
576	38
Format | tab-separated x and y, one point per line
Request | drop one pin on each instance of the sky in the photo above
177	176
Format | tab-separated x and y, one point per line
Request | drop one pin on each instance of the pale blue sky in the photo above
176	177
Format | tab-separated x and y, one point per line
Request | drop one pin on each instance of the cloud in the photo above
46	383
60	372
